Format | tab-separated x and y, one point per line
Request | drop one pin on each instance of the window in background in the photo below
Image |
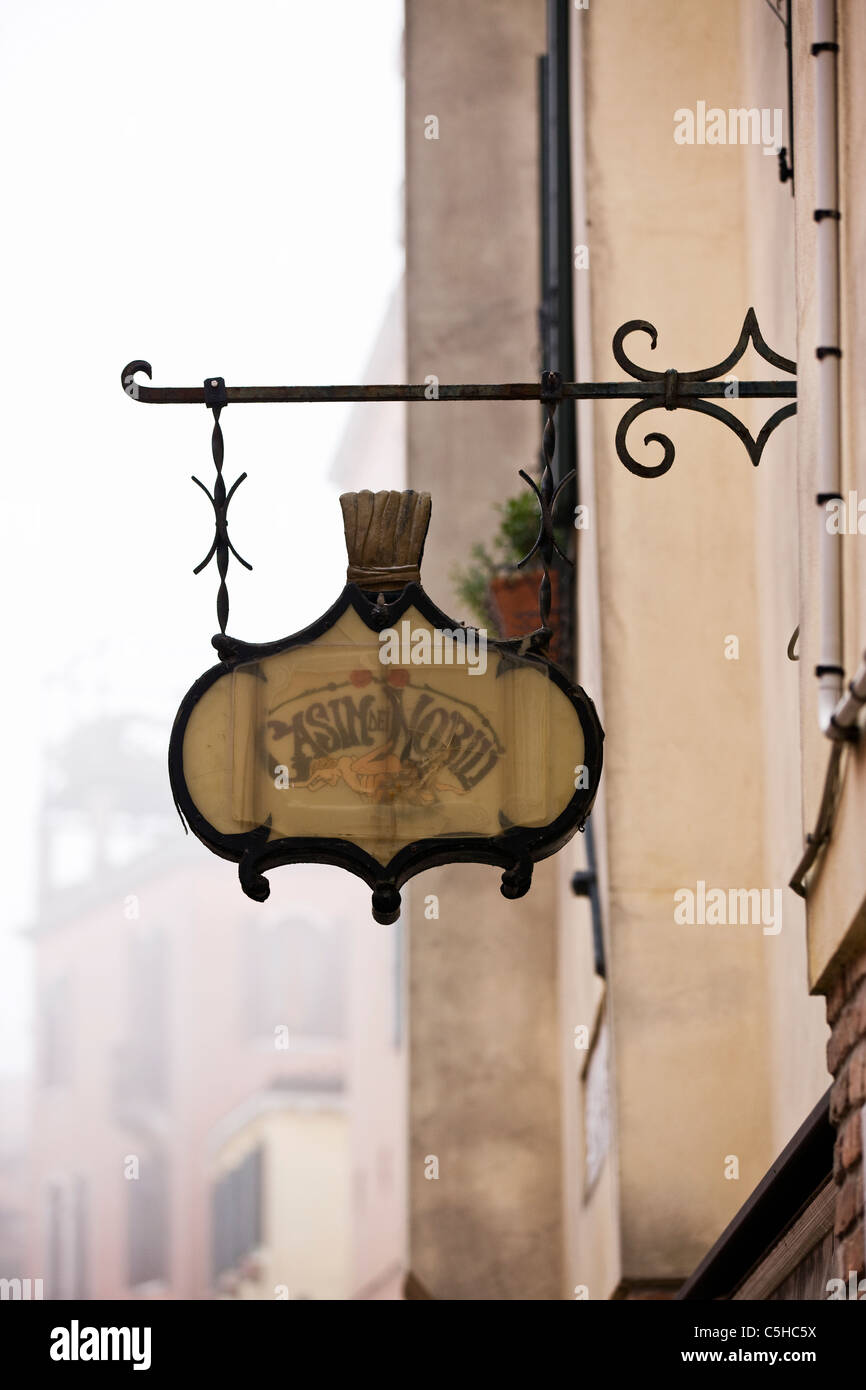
236	1214
148	1220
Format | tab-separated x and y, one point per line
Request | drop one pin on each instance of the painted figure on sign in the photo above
382	776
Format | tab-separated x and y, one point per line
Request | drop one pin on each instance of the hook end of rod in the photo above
128	381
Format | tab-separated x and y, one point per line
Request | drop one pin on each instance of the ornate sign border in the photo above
516	850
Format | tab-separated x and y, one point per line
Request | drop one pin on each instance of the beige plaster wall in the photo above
483	1015
715	1050
797	1027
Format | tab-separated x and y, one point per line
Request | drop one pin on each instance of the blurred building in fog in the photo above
15	1101
217	1102
218	1108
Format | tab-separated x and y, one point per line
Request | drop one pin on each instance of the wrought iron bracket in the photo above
651	390
692	391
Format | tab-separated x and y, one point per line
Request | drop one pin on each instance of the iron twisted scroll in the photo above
671	396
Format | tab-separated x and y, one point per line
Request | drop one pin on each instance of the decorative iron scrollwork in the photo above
683	391
219	499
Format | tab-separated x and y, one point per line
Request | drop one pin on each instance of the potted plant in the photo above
501	596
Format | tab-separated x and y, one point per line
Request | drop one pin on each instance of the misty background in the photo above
215	188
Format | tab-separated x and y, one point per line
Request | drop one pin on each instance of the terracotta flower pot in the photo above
514	605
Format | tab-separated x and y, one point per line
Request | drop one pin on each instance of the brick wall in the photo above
846	1060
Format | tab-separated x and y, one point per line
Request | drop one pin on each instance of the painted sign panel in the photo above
386	739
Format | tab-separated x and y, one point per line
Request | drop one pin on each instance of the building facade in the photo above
217	1105
615	1074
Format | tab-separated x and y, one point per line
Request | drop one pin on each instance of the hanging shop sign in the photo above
387	737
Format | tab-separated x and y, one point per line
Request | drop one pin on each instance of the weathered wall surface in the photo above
716	1051
484	1062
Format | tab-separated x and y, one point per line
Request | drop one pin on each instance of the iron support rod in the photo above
507	391
667	390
